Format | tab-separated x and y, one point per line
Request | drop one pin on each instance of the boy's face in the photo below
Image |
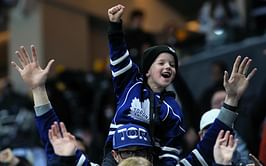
162	72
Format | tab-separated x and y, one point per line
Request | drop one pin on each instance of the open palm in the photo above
30	70
64	143
238	82
224	148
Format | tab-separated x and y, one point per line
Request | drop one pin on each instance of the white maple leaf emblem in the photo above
140	110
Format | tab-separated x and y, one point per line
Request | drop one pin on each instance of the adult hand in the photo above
30	70
63	142
224	148
237	83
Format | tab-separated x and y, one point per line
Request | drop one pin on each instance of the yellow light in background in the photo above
59	69
181	35
4	36
99	65
192	26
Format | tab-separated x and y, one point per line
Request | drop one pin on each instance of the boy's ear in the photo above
147	74
115	156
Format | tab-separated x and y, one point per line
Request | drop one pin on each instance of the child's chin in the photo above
165	84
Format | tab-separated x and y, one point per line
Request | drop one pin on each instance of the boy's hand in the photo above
31	72
115	13
238	82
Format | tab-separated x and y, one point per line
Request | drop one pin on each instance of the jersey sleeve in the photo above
78	160
43	123
203	153
45	117
122	67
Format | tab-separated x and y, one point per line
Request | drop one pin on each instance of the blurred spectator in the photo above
17	124
85	101
16	117
73	95
218	99
218	19
258	14
137	39
4	7
167	35
34	155
7	158
217	72
257	114
186	38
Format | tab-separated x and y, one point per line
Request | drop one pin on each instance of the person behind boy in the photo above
141	96
129	140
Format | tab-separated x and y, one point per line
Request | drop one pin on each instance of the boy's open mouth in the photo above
166	74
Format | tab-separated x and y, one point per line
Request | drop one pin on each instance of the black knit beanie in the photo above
150	54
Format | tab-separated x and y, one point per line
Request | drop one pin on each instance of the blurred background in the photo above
208	34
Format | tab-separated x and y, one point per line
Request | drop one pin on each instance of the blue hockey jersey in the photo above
133	101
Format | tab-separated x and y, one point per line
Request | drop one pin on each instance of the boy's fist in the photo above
115	13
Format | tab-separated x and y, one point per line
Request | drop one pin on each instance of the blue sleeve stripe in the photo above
185	162
170	149
123	70
117	61
169	155
199	157
81	160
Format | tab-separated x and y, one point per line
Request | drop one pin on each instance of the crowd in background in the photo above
86	103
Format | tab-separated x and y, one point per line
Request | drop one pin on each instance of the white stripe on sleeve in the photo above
81	160
117	61
199	157
123	70
170	149
185	162
169	155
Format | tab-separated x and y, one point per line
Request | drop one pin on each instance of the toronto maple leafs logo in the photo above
140	110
